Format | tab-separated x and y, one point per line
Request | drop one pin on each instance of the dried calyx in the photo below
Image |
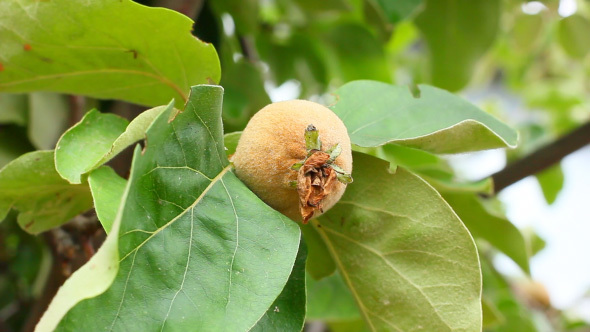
316	173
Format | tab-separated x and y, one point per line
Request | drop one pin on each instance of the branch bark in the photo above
542	158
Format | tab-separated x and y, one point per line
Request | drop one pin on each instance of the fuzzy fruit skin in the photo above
274	140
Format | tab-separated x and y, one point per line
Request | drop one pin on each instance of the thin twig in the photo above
542	158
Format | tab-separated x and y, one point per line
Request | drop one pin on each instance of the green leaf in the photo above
458	33
31	185
101	49
573	36
408	259
107	190
551	181
516	315
527	32
356	54
287	313
48	118
13	108
488	225
330	300
377	113
214	256
230	141
319	262
244	95
96	139
396	11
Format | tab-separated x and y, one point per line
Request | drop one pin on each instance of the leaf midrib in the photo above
159	78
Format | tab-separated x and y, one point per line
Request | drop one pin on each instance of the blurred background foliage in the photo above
525	62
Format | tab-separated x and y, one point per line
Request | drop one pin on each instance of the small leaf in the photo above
495	229
334	152
31	185
107	190
458	33
215	257
230	141
408	259
312	139
573	35
287	313
83	48
551	181
377	113
96	139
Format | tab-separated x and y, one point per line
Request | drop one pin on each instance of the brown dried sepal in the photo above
314	183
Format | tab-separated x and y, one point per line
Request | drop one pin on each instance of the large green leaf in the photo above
198	250
407	258
114	49
287	313
573	35
377	113
31	185
319	262
458	33
485	224
96	139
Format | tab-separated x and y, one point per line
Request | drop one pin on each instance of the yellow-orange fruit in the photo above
274	140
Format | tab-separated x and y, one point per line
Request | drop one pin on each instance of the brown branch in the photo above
542	158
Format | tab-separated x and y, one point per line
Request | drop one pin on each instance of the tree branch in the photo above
542	158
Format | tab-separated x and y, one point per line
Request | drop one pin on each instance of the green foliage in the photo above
102	50
96	139
31	185
185	211
437	121
458	33
190	247
378	240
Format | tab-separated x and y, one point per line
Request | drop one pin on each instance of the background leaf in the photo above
437	121
214	255
458	33
551	181
406	256
101	49
573	36
31	185
96	139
